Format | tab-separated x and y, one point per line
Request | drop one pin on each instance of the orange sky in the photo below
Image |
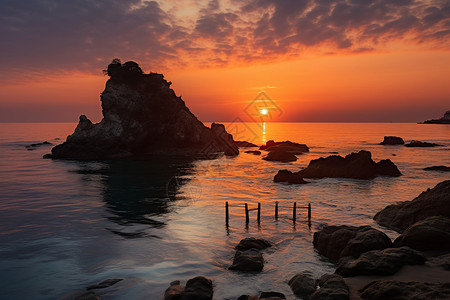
323	63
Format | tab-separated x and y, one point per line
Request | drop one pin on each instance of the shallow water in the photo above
67	224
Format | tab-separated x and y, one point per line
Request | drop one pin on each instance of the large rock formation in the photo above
336	242
432	233
434	202
142	115
444	120
288	146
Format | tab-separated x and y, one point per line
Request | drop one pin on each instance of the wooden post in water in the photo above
276	210
227	215
309	212
259	212
247	220
294	212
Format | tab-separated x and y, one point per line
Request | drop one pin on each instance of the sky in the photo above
316	60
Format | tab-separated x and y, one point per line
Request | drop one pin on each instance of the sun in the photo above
263	111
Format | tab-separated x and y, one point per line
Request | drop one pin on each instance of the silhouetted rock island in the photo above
414	143
142	116
392	140
444	120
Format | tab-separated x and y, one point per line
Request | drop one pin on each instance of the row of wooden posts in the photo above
258	209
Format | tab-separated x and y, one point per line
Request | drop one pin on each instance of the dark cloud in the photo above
87	34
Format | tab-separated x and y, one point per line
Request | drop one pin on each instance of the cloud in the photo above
86	34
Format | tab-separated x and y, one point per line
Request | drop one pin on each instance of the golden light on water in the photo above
263	111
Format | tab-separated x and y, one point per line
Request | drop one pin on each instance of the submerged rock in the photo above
104	284
434	202
336	242
421	144
392	140
379	262
355	165
249	243
432	233
279	155
142	116
398	290
289	177
303	284
437	168
331	287
35	145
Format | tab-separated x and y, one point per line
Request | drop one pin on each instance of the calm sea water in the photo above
65	225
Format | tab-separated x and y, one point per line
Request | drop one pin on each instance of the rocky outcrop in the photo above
142	116
434	202
286	146
303	284
392	140
379	262
437	168
289	177
444	120
244	144
421	144
280	155
336	242
355	165
331	287
398	290
249	243
430	234
198	288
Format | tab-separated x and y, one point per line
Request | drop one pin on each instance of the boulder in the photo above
336	242
379	262
264	295
286	146
392	140
303	284
355	165
197	288
331	287
437	168
142	116
280	155
252	243
421	144
398	290
289	177
244	144
254	152
432	233
248	261
434	202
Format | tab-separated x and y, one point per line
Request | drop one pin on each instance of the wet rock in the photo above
142	116
398	290
421	144
248	261
286	146
331	287
255	152
289	177
47	156
303	284
272	296
247	297
379	262
87	296
430	234
249	243
279	155
35	145
197	288
335	242
392	140
434	202
244	144
355	165
104	284
442	261
437	168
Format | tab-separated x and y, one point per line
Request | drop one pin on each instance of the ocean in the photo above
65	225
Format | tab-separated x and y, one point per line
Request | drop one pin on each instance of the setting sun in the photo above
263	111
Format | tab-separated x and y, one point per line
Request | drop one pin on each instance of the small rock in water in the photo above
248	261
331	287
254	152
438	168
303	284
421	144
104	284
249	243
271	296
197	288
392	140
